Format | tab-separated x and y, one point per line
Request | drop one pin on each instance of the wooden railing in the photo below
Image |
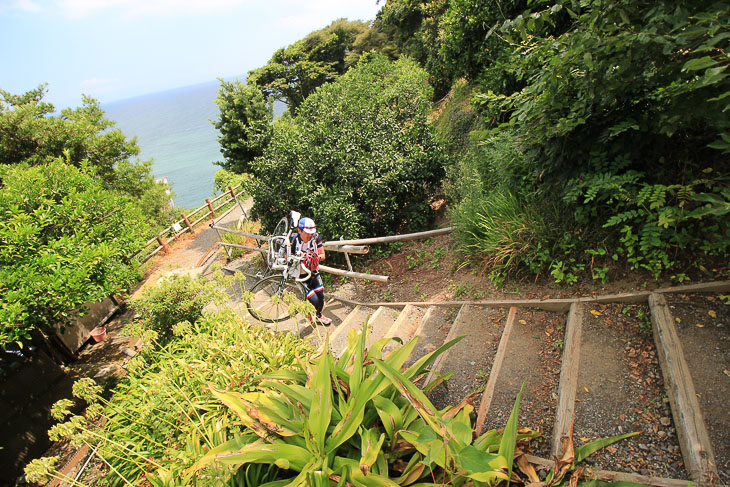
211	209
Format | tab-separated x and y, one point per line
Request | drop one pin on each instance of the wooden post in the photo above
568	387
163	244
210	207
486	401
694	441
243	210
187	223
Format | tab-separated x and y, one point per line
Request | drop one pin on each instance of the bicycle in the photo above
276	249
273	294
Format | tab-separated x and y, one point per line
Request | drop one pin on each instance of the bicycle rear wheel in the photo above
282	228
272	296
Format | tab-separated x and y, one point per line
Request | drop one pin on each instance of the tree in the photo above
413	26
244	124
63	239
360	157
294	72
31	134
620	115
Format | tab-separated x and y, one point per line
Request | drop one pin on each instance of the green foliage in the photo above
63	239
296	71
620	110
360	157
244	123
359	419
161	417
174	299
31	134
413	26
223	179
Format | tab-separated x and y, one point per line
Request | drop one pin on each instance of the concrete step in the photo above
334	310
431	332
379	324
471	358
353	321
404	327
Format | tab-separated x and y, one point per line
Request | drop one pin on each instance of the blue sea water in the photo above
174	129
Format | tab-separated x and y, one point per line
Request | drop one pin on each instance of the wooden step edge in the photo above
558	304
486	400
436	367
610	476
694	441
568	385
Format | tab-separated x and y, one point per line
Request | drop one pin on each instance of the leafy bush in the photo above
360	420
161	417
619	114
63	242
360	156
175	299
31	134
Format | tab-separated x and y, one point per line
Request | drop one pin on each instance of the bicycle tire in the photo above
281	228
264	308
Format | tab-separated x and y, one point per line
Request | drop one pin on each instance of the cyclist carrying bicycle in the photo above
307	242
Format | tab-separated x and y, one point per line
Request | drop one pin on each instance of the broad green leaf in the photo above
581	453
371	444
319	413
294	392
238	406
488	440
413	471
357	365
420	365
232	445
482	466
414	395
389	414
699	63
280	454
299	376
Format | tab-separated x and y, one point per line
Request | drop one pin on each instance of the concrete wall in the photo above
74	337
29	385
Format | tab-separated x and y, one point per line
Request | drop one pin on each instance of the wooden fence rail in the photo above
187	223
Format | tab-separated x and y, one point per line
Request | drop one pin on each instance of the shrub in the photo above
63	242
161	417
174	299
359	157
360	420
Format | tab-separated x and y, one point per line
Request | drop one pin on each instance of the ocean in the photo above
174	129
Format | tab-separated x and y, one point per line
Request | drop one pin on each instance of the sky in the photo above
118	49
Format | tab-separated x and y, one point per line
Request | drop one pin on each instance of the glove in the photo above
311	261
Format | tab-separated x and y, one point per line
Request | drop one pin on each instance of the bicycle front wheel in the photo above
272	296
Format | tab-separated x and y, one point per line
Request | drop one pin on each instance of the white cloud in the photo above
134	8
21	5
